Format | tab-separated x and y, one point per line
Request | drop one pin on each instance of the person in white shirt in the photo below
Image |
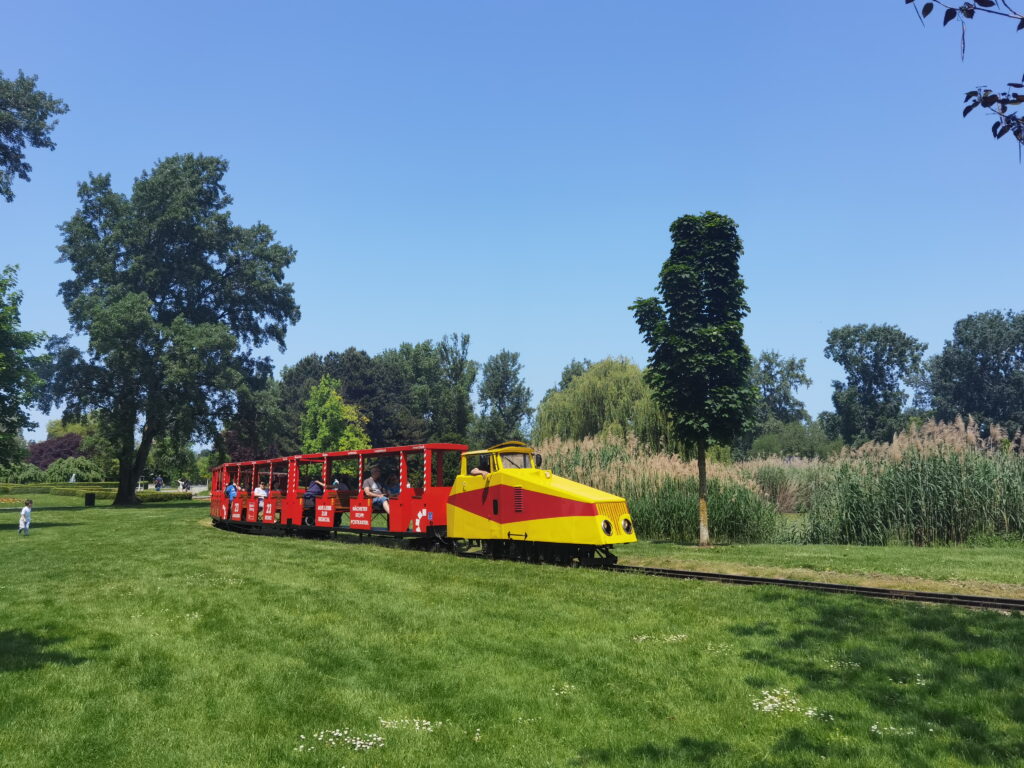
26	518
260	492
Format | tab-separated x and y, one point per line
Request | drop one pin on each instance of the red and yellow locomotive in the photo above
440	496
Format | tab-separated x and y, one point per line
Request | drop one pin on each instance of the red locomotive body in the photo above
421	478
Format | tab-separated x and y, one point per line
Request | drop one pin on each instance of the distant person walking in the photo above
159	482
26	518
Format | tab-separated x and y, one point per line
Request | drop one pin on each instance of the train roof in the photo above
315	457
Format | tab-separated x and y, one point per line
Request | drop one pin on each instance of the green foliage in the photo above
919	496
329	423
794	439
504	400
410	394
980	372
878	360
699	363
172	460
608	397
21	473
174	299
27	118
19	382
776	379
82	469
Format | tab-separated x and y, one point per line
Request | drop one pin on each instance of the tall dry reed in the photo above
661	489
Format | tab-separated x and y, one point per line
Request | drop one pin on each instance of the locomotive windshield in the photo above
517	460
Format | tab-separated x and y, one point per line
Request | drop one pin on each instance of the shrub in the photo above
82	469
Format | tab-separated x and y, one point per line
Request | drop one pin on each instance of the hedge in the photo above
80	489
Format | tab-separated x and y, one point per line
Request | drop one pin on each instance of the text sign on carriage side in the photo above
325	514
360	515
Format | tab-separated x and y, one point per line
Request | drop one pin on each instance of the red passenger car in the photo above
417	479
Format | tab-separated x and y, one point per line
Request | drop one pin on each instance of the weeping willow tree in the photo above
607	398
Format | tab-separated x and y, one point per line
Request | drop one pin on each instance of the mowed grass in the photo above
960	569
148	638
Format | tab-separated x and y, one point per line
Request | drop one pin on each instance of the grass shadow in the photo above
880	654
35	525
21	650
685	751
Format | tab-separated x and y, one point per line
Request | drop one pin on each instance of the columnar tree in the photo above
331	424
504	400
879	360
699	364
27	118
18	380
174	299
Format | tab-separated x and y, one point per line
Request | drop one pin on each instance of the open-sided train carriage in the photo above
446	496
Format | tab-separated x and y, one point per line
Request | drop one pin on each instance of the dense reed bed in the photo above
934	484
662	490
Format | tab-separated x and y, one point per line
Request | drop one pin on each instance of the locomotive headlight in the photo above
606	526
627	526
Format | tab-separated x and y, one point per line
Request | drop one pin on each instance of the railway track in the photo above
942	598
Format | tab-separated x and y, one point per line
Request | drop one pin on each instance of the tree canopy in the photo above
879	361
19	382
777	379
699	365
607	397
504	400
980	371
174	299
329	423
27	118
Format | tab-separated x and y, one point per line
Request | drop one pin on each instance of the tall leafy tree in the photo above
504	400
257	429
27	118
329	423
175	299
980	371
699	364
879	360
607	397
19	382
777	379
452	411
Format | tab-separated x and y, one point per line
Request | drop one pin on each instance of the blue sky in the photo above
510	169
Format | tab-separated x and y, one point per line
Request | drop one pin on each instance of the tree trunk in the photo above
126	480
131	462
702	493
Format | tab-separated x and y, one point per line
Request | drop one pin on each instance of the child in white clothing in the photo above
26	518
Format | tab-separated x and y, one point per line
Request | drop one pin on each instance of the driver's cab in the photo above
498	458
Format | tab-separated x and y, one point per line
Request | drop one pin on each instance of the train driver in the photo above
372	488
484	466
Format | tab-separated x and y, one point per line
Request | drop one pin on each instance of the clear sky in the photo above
510	169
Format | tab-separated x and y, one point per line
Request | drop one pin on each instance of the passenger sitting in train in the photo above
339	484
392	486
260	493
313	492
372	488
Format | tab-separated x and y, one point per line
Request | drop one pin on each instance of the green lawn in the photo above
148	638
970	570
